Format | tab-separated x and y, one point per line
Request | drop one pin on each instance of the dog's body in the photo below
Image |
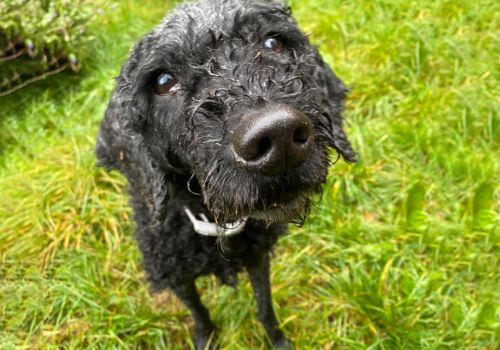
224	109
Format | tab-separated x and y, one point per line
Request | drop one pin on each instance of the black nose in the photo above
273	141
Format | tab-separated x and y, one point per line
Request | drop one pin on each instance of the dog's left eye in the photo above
165	83
274	43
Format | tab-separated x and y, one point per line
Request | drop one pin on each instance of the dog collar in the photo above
206	228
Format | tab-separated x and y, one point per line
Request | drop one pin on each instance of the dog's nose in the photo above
273	141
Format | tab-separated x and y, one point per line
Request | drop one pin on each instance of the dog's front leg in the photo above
203	326
260	279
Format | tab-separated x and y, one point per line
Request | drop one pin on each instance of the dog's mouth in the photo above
293	210
281	212
228	205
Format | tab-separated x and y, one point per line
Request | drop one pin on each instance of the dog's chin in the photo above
294	211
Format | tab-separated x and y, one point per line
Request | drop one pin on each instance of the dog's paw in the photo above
283	344
204	341
203	344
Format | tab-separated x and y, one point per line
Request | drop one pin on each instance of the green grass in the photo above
401	252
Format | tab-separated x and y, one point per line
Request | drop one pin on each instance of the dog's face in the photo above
239	99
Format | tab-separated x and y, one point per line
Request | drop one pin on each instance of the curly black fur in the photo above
175	149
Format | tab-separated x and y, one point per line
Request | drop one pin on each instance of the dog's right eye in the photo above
274	43
165	83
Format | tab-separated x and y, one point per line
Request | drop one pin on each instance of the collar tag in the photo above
206	228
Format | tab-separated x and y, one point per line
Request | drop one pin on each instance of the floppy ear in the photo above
336	92
121	144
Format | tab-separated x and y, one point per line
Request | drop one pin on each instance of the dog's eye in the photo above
165	83
274	43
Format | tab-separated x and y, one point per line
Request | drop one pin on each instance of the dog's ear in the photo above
336	92
121	144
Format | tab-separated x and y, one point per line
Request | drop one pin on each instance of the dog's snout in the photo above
273	141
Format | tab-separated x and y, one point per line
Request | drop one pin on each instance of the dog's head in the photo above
231	92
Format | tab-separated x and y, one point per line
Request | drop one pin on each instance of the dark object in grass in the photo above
41	38
223	112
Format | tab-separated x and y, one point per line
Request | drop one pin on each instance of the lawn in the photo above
400	252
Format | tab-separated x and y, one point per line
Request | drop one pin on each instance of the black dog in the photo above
221	121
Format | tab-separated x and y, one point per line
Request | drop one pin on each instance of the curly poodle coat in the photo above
181	97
